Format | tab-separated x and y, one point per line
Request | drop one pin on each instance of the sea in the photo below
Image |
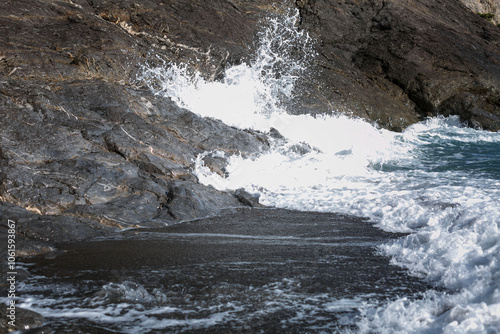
437	183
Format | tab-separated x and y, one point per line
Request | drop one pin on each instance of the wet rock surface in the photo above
86	150
26	320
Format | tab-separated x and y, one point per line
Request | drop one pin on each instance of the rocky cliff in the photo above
85	150
396	61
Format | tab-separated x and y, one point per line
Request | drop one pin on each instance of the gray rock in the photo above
85	150
246	198
187	200
24	320
397	61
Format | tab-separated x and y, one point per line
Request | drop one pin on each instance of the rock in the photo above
216	163
187	201
24	320
83	154
398	61
273	133
489	7
86	150
208	35
99	154
37	233
246	198
471	110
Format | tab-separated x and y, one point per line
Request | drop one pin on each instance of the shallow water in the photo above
259	270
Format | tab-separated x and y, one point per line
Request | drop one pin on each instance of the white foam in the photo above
133	311
452	215
250	96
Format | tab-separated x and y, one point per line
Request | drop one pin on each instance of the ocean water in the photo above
437	181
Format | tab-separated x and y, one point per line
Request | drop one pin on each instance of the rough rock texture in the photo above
91	153
489	7
26	319
399	60
85	151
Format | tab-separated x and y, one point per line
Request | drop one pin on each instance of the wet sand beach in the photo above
255	270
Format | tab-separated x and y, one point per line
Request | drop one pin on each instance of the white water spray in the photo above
249	96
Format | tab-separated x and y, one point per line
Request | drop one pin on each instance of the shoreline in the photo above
322	254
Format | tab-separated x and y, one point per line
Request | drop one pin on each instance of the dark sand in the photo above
243	258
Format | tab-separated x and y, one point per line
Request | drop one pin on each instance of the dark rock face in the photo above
404	60
84	150
105	153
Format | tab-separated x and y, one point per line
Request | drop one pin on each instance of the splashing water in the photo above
250	96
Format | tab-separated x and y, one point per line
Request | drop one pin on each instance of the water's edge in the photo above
257	269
